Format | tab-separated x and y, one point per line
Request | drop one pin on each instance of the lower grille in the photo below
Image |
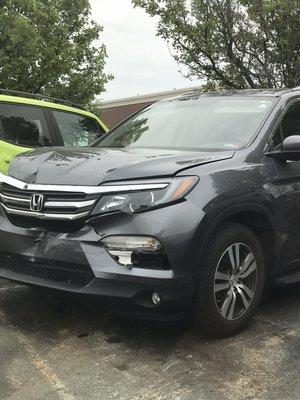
53	226
69	274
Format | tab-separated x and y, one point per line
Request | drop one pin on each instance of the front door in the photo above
288	185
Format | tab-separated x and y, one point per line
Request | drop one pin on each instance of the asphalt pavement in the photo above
60	347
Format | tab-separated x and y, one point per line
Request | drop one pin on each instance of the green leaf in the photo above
232	44
52	48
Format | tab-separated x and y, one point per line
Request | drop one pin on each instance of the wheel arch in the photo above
257	218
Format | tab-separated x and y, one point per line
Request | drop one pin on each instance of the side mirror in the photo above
291	143
290	149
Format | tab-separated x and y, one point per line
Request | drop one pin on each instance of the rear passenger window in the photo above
23	126
77	130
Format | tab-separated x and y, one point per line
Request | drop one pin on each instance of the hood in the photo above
93	166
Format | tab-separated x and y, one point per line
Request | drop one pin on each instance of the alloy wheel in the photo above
235	281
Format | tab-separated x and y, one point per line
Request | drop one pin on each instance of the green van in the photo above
29	121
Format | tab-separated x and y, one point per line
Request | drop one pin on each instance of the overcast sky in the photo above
139	60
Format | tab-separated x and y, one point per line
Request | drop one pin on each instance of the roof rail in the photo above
40	97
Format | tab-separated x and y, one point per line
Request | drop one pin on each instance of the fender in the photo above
211	224
231	211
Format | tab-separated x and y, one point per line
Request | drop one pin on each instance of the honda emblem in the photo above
36	202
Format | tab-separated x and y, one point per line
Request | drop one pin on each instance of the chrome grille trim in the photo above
105	188
17	200
73	204
41	215
60	206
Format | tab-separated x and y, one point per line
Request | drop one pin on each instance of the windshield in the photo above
214	123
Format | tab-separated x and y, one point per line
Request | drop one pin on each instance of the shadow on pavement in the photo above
34	310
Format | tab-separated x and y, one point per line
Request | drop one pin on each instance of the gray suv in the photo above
186	209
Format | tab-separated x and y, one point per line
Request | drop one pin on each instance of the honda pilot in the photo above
185	210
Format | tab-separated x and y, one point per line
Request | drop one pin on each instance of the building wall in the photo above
112	116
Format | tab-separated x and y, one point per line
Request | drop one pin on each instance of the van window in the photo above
23	126
77	130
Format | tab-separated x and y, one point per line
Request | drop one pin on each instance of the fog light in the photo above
121	248
155	298
122	257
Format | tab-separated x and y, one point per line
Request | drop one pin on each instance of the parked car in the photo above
28	121
186	209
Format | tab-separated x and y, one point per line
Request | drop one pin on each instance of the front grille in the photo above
26	204
73	275
53	205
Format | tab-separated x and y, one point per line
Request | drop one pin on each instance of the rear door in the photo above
22	128
76	130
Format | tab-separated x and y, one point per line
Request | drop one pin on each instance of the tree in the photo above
233	44
50	48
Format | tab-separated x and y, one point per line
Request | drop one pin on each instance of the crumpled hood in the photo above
93	166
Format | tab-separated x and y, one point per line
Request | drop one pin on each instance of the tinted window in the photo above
223	122
291	121
289	126
23	125
77	130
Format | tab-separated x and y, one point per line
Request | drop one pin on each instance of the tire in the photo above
220	311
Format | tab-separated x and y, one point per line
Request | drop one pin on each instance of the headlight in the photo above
139	201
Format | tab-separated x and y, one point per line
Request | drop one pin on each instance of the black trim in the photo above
54	128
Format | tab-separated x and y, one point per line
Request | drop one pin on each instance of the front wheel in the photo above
230	282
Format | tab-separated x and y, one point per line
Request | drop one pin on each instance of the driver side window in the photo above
289	126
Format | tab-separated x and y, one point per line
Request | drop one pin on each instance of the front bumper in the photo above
125	294
51	259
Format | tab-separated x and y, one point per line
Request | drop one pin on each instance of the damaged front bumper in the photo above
78	262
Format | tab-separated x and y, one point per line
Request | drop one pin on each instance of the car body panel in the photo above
8	150
61	165
238	184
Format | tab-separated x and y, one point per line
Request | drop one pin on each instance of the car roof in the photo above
248	93
48	104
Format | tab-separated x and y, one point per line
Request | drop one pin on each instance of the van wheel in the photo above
230	282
